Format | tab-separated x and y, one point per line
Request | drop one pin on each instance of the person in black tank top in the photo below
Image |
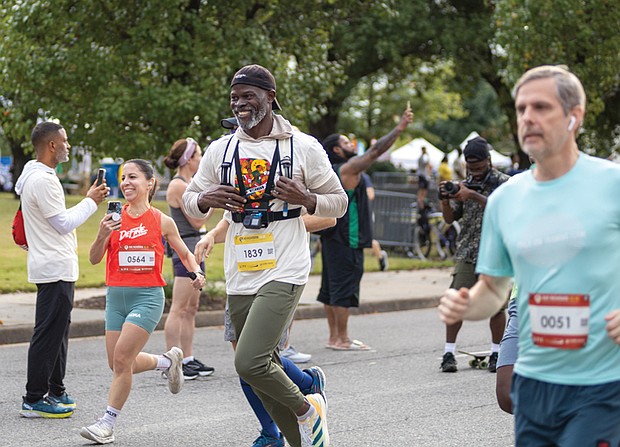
342	247
184	156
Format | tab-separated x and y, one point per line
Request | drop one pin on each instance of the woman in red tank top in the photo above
134	300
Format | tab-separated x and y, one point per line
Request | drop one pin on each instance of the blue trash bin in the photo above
111	167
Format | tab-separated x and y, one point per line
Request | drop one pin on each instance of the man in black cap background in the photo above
465	201
264	177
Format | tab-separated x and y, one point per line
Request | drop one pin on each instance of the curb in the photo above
23	333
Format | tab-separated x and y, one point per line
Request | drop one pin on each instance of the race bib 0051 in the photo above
559	320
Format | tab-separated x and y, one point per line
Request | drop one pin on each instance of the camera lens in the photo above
451	188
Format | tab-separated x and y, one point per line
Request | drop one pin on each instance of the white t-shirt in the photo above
51	256
290	241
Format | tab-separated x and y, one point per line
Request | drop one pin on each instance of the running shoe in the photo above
175	372
62	401
448	363
203	370
295	356
189	372
313	430
318	382
383	261
99	432
266	440
493	362
44	408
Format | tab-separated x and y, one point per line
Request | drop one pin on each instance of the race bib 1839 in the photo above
255	252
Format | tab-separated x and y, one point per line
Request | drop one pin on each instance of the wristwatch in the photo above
194	275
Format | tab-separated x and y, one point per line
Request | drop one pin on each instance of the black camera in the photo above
255	220
451	188
475	186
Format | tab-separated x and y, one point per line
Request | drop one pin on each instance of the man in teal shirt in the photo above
557	229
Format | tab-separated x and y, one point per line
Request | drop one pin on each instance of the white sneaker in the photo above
99	432
295	356
175	372
313	431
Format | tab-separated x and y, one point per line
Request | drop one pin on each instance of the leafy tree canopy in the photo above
129	78
585	36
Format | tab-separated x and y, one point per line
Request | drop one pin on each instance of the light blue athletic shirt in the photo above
560	236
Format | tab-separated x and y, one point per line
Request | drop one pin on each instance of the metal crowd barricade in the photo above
394	219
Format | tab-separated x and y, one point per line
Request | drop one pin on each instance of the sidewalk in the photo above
380	292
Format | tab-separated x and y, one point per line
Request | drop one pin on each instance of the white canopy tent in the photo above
498	160
406	157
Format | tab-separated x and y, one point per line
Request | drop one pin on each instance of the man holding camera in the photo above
465	201
264	177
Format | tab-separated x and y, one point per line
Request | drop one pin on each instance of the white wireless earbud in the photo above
571	123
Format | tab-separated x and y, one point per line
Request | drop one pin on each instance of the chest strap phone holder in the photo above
257	217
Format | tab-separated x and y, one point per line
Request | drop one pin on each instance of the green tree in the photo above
377	102
376	39
483	114
129	78
585	36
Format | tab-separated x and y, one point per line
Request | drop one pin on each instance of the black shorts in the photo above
180	270
343	268
422	182
177	265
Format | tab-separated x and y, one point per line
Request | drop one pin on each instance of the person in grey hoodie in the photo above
52	266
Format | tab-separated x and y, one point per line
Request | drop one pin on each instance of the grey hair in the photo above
569	89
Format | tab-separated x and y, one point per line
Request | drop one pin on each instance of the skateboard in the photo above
479	360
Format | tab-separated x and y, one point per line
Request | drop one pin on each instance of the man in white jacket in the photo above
52	266
255	174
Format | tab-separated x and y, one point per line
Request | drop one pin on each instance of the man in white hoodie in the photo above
254	175
52	266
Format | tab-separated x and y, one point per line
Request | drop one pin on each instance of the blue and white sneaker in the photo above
62	401
318	382
266	440
44	408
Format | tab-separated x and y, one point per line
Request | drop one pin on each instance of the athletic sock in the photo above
450	347
110	415
307	414
263	417
302	379
494	347
163	363
186	360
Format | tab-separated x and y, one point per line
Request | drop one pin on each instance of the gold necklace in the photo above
134	213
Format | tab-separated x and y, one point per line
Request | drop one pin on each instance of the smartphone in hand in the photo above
100	176
114	208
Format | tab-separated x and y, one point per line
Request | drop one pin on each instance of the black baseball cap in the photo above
258	76
477	149
229	123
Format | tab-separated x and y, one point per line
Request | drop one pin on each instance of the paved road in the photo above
394	396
